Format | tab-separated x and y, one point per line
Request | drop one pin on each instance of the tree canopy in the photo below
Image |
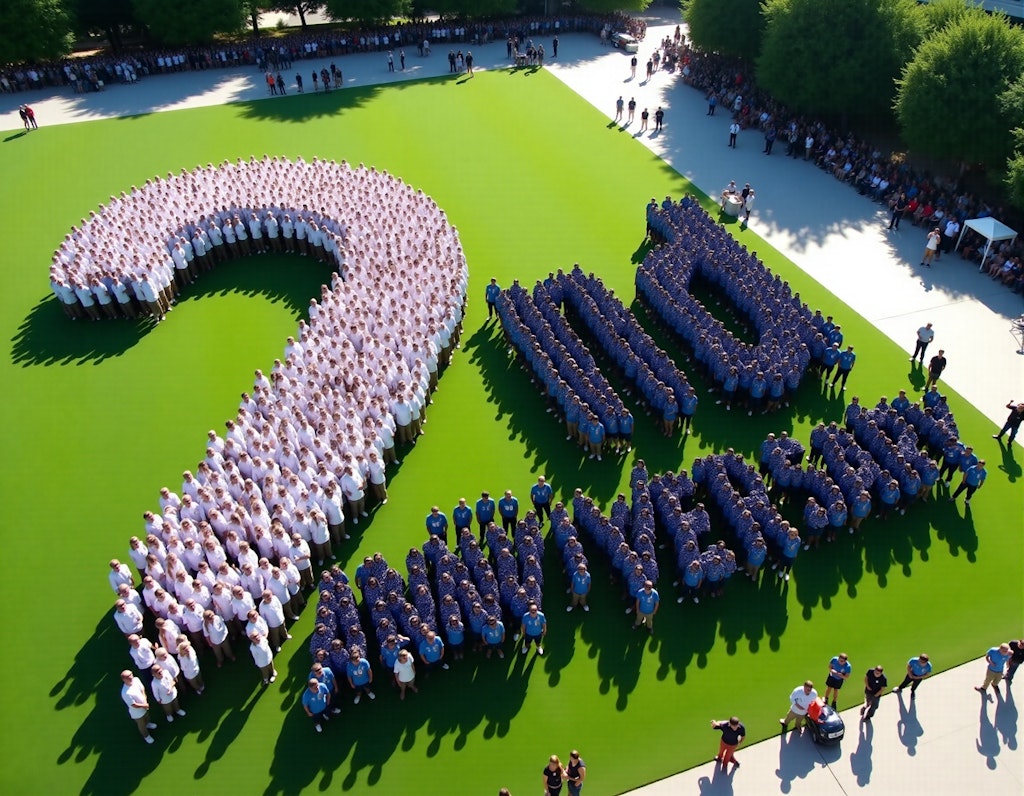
837	57
474	8
1012	103
737	32
367	10
33	30
300	9
189	21
607	6
948	101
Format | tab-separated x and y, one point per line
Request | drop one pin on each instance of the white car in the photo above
625	42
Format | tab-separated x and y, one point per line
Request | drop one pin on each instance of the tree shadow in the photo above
47	337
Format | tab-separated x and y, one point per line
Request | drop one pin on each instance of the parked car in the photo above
625	42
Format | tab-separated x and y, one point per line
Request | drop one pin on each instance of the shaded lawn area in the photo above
99	416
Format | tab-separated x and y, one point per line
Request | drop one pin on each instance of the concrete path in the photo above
950	741
953	742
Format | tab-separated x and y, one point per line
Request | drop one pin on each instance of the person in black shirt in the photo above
1012	423
936	365
1016	659
575	773
554	776
733	733
874	684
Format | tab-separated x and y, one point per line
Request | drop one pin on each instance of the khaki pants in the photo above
276	636
142	722
644	619
991	678
578	599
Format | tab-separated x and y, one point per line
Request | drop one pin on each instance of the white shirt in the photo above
925	335
189	665
272	612
800	701
261	653
135	694
129	620
406	672
164	689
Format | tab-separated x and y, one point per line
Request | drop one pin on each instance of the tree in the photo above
837	57
109	16
737	32
33	30
948	97
367	10
190	21
939	14
470	9
300	9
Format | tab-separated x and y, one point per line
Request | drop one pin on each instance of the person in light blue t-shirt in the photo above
839	669
535	627
315	700
431	651
647	604
996	660
918	669
437	524
493	633
581	580
974	479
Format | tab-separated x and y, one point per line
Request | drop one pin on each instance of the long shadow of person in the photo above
916	377
988	738
1006	719
1009	465
860	760
718	784
797	759
908	727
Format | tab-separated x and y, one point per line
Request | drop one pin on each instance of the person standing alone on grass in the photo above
839	669
936	365
924	337
733	733
1012	424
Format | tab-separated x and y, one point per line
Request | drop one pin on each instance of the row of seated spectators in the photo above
882	176
662	385
696	246
554	353
279	52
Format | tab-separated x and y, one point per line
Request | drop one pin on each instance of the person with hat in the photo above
875	682
733	733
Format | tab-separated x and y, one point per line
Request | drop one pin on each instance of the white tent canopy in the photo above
991	230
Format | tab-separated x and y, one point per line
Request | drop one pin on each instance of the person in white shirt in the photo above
141	650
189	661
216	633
128	618
165	692
405	673
320	535
255	624
263	657
799	702
352	487
273	615
120	573
300	555
133	693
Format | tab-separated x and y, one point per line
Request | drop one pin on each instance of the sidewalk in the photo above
950	740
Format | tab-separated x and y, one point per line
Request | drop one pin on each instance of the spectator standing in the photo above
1012	424
924	337
949	234
931	248
839	669
575	773
659	119
733	733
734	130
899	207
996	660
875	682
799	701
918	669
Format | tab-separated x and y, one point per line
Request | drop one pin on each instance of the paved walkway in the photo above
953	742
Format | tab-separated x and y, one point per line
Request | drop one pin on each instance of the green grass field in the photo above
99	416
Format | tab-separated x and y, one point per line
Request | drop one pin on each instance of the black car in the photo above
828	729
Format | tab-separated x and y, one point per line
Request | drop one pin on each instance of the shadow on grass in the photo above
47	337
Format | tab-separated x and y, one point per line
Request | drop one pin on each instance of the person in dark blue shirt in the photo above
508	508
485	509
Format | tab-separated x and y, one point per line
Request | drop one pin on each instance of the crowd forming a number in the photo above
233	550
